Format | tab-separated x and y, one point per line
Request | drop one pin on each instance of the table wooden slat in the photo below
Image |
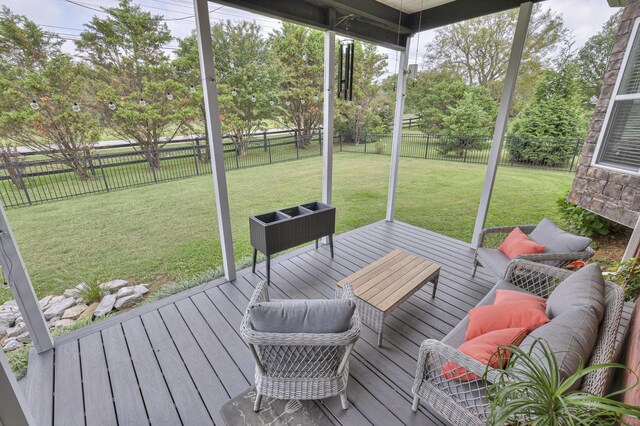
386	282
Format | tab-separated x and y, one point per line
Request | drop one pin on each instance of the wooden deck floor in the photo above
178	360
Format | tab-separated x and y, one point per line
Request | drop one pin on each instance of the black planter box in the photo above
287	228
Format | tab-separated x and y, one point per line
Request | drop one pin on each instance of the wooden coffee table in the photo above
385	284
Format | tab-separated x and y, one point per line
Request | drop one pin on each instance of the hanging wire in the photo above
419	29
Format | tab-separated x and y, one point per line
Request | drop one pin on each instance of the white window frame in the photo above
615	97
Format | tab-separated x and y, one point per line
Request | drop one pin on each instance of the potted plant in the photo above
531	391
627	275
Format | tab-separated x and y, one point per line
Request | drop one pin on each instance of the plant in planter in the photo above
531	391
627	276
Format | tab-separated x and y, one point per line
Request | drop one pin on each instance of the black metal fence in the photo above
27	182
550	154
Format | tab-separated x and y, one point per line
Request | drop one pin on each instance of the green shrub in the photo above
91	292
627	276
543	152
583	221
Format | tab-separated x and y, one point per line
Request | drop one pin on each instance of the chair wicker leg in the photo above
343	400
416	403
256	406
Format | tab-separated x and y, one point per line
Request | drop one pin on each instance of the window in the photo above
619	143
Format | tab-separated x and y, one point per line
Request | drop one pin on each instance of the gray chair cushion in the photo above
584	287
555	240
456	336
494	260
571	337
302	316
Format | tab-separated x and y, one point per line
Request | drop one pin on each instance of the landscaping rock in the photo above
54	319
81	301
23	338
11	345
45	302
113	286
73	313
128	301
56	299
141	289
3	331
70	292
106	305
60	324
88	313
77	289
8	318
58	308
17	330
124	292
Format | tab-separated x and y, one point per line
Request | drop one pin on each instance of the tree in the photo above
62	127
43	92
247	78
368	111
431	95
554	112
134	75
593	57
300	54
469	121
479	49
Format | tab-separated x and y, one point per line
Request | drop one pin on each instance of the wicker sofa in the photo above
300	365
465	402
496	262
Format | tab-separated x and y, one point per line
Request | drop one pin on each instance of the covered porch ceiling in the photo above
387	23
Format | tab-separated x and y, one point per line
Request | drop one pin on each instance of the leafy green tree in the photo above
300	55
469	122
368	111
553	116
248	78
42	106
23	44
479	49
431	95
134	76
593	57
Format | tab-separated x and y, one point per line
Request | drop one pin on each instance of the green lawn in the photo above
160	233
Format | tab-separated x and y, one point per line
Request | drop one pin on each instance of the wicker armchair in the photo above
299	365
465	402
491	237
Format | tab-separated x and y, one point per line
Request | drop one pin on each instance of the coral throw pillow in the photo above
518	243
506	296
486	349
487	318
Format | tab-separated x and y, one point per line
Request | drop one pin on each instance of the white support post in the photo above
14	409
327	121
21	287
401	89
214	132
503	115
634	243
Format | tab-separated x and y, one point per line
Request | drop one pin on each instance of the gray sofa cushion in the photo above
302	316
555	240
571	337
576	308
494	260
456	336
584	287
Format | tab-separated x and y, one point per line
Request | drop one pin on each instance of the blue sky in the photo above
583	17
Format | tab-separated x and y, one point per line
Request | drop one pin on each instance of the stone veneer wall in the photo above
614	195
